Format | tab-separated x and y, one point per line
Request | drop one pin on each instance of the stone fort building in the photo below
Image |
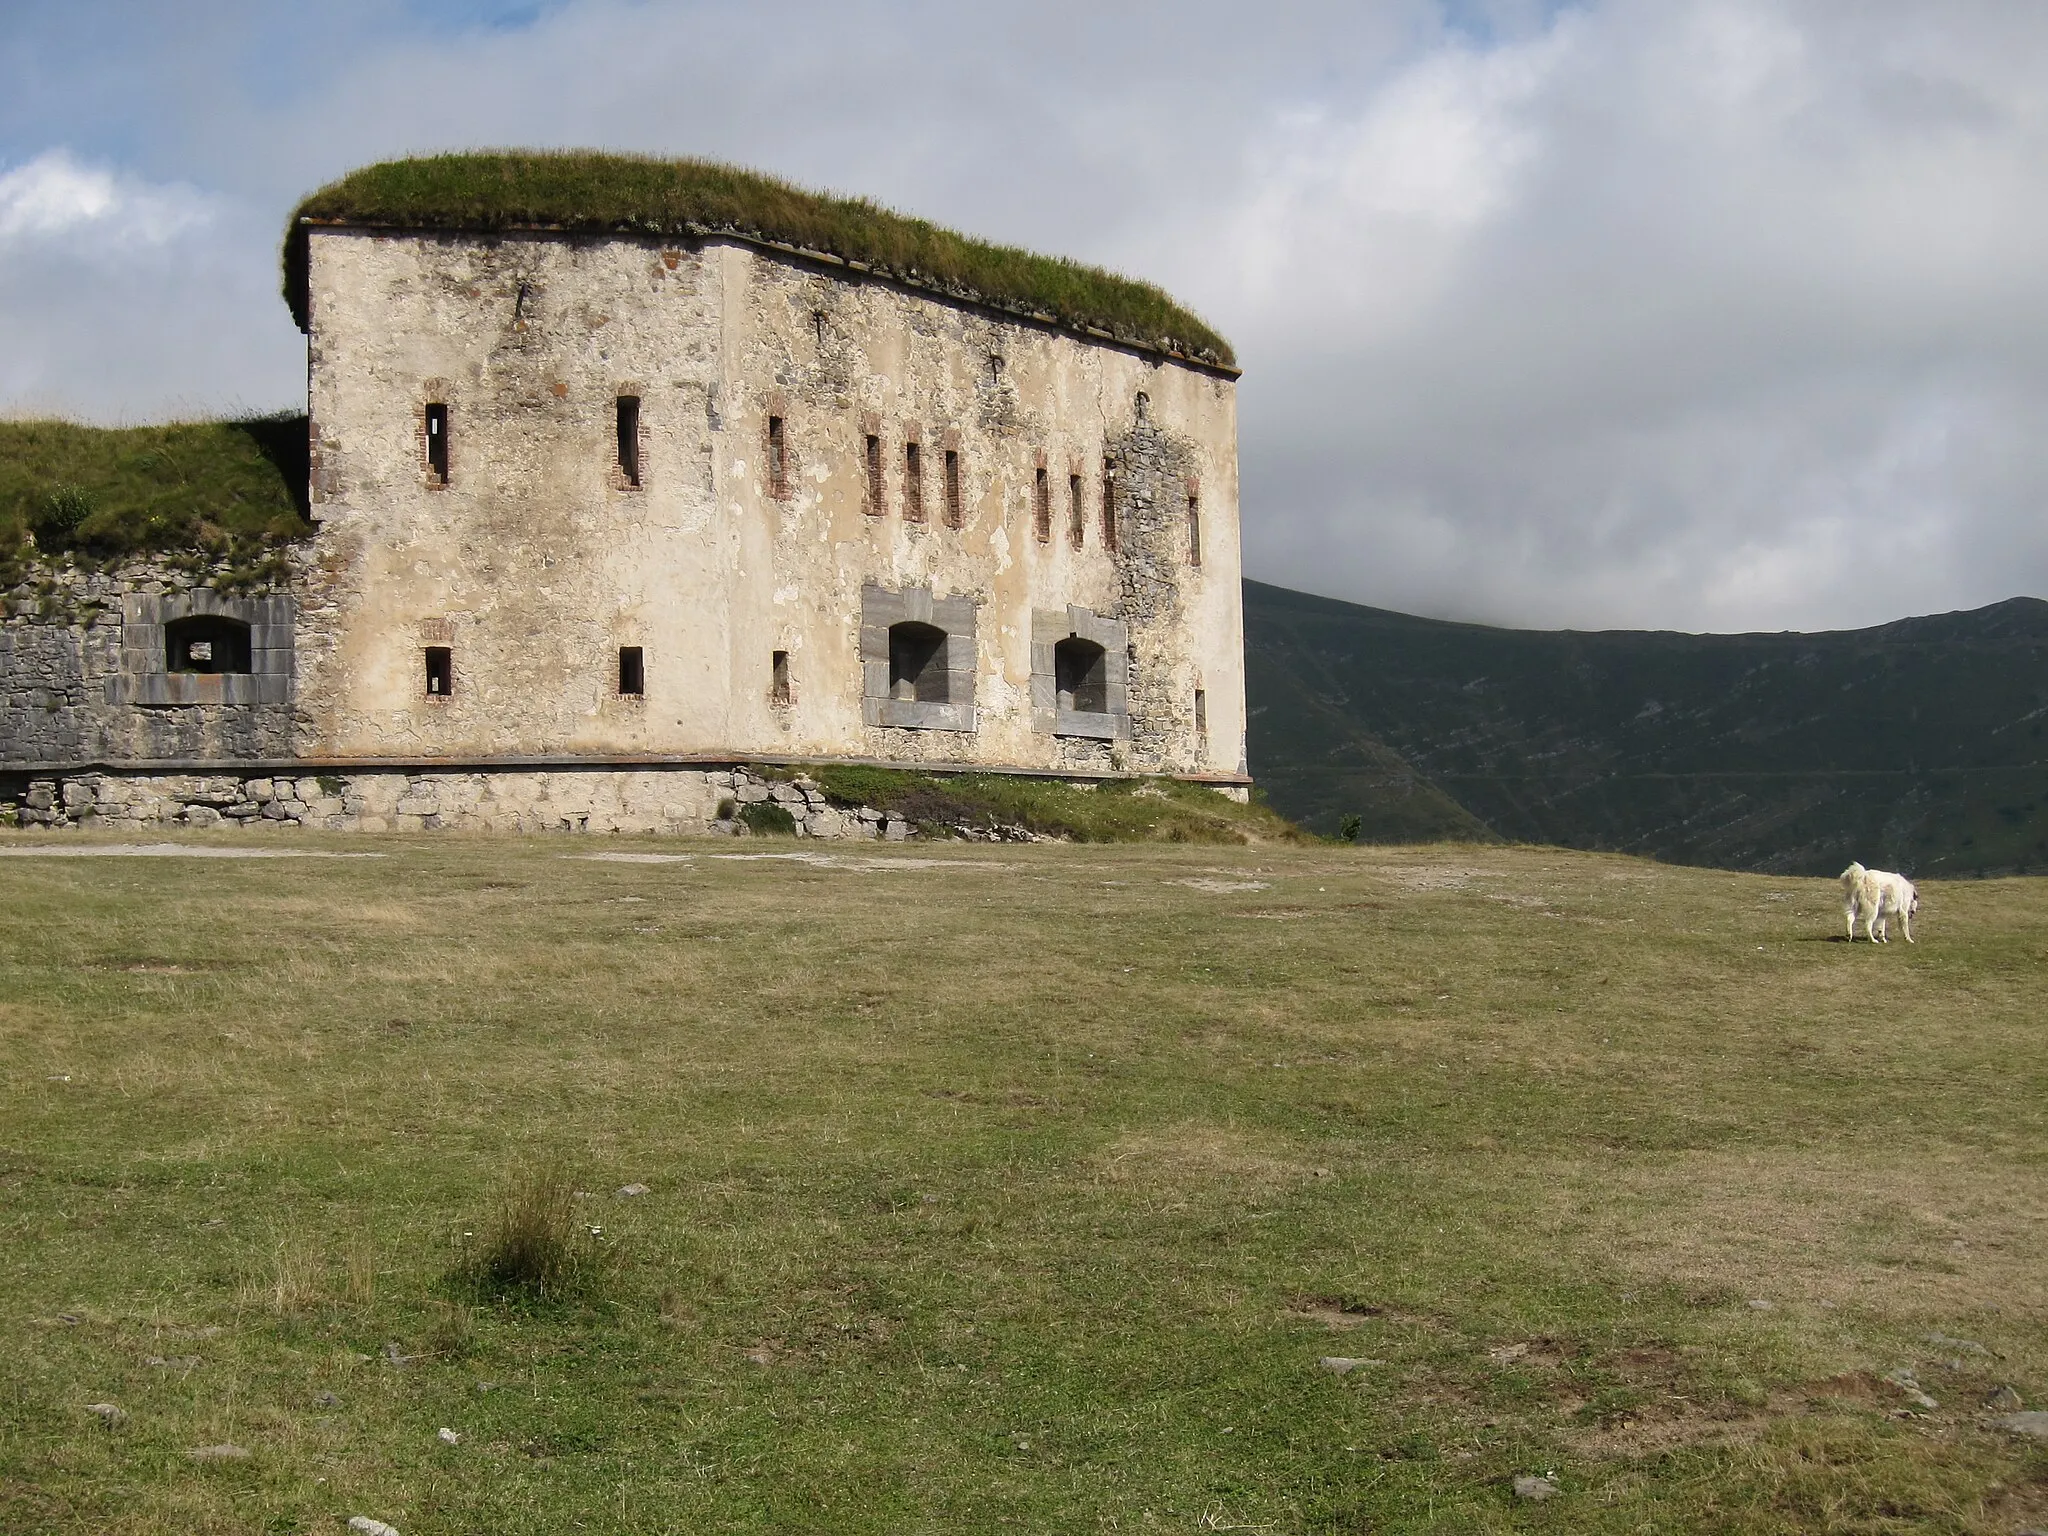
607	505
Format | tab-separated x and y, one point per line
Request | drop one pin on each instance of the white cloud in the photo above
54	195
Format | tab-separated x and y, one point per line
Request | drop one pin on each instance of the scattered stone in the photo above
447	1436
363	1525
1759	1304
761	1355
2005	1400
1343	1365
1909	1384
1502	1354
394	1356
173	1362
222	1452
1538	1488
635	1189
1965	1346
326	1400
2033	1423
109	1411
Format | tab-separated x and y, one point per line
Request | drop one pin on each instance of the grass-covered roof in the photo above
597	193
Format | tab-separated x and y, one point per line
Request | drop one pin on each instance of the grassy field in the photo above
1014	1188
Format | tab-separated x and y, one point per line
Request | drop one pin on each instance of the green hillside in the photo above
1920	745
100	492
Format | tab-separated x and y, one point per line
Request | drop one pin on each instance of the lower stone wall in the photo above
679	802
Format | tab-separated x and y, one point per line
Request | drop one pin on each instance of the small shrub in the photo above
534	1248
57	516
1349	828
767	819
727	808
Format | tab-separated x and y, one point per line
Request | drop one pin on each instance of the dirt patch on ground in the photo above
1919	1237
1202	1156
1335	1312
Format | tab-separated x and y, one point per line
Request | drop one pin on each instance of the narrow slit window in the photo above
629	439
440	671
632	671
1201	713
1077	513
874	451
778	686
913	483
955	516
437	444
1194	531
1109	506
1041	507
778	460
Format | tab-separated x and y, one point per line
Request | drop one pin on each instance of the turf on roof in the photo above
588	192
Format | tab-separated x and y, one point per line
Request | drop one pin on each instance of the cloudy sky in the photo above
1699	314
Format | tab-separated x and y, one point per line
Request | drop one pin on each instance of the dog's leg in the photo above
1906	923
1849	912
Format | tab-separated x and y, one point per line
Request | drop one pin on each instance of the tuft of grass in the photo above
600	192
534	1249
234	489
1114	811
765	818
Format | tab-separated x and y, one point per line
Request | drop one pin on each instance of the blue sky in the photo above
1686	313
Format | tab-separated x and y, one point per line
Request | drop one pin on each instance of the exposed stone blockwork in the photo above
83	676
673	802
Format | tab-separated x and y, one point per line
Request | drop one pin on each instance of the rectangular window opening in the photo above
874	451
632	671
1201	713
778	460
1194	531
629	439
1077	514
1041	507
913	483
778	687
437	444
440	671
1108	506
955	515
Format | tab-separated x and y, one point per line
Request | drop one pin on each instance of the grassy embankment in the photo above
1014	1187
1116	811
220	490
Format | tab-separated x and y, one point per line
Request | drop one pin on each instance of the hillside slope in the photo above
1921	744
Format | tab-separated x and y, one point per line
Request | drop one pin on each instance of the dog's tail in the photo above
1851	875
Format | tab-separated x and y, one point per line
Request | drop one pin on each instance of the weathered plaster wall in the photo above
82	675
536	562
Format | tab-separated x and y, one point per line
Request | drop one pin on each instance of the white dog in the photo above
1876	897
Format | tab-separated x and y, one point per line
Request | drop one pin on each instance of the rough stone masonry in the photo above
603	518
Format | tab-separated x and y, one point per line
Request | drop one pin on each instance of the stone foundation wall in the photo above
676	802
83	671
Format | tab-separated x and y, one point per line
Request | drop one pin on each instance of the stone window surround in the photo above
880	608
1049	626
144	678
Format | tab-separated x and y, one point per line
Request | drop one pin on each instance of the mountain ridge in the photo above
1919	743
